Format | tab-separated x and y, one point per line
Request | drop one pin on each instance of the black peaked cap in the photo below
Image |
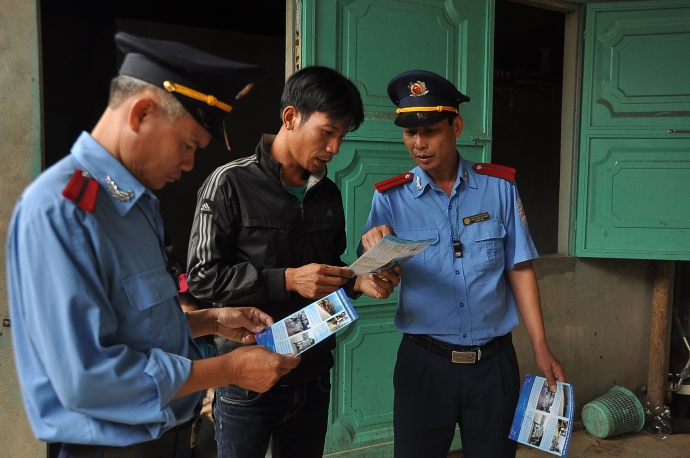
424	90
160	61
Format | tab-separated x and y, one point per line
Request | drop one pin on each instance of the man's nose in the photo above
420	143
333	146
187	163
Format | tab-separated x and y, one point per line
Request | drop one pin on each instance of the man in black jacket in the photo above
269	231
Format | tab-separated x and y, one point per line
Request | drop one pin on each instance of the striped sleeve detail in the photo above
208	192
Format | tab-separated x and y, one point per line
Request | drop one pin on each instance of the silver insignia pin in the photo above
419	183
122	196
465	175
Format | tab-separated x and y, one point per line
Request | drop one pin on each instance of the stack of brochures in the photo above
309	326
544	418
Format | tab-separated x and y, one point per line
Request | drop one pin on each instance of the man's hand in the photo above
549	365
380	285
315	281
375	234
257	369
252	368
241	323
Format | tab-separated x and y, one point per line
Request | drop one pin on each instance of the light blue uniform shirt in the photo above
466	300
100	341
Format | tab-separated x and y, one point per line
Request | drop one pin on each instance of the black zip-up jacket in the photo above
248	229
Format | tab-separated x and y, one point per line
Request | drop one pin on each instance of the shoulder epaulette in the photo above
82	190
495	170
393	182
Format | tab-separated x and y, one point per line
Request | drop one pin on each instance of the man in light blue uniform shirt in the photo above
459	299
105	355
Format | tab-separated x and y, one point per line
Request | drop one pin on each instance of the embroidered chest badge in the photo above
521	211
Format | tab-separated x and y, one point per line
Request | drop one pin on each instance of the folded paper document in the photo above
309	326
544	418
387	253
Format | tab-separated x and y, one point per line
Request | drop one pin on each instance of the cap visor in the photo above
420	118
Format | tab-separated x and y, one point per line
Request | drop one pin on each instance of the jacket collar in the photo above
274	169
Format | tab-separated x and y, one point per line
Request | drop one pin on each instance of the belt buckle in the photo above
466	357
192	438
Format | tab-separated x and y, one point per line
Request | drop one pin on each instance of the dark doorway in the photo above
79	58
528	74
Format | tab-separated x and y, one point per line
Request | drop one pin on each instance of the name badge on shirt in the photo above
467	220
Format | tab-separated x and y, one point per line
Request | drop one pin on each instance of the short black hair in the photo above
324	90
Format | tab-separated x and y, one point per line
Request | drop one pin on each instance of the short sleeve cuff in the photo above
169	372
527	255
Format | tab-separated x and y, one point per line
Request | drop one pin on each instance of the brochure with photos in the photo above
544	418
387	253
303	329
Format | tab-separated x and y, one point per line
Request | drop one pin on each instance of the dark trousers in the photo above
64	453
294	417
433	394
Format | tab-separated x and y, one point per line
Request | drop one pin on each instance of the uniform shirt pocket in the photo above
146	289
428	262
486	245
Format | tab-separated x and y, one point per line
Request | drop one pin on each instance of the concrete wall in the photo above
20	153
597	314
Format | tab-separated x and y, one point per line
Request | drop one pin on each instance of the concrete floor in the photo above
634	445
582	445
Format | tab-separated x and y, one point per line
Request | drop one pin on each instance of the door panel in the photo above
370	41
635	147
639	189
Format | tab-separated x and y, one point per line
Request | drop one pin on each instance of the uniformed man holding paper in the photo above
105	355
461	297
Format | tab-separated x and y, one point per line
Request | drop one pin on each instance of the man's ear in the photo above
142	108
458	125
290	117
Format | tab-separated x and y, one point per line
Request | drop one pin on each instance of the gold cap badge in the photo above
417	89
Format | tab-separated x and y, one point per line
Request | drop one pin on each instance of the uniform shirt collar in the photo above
422	180
99	163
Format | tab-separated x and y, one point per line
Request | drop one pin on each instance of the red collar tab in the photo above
82	190
393	182
495	170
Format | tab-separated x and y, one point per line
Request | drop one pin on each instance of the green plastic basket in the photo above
616	412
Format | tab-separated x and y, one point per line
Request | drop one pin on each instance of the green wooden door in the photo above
370	41
634	183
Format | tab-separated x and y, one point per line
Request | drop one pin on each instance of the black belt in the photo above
460	354
178	442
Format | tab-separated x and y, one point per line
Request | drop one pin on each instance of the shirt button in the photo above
462	304
450	207
464	335
457	272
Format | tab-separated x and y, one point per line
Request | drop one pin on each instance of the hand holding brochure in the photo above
387	253
309	326
543	418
